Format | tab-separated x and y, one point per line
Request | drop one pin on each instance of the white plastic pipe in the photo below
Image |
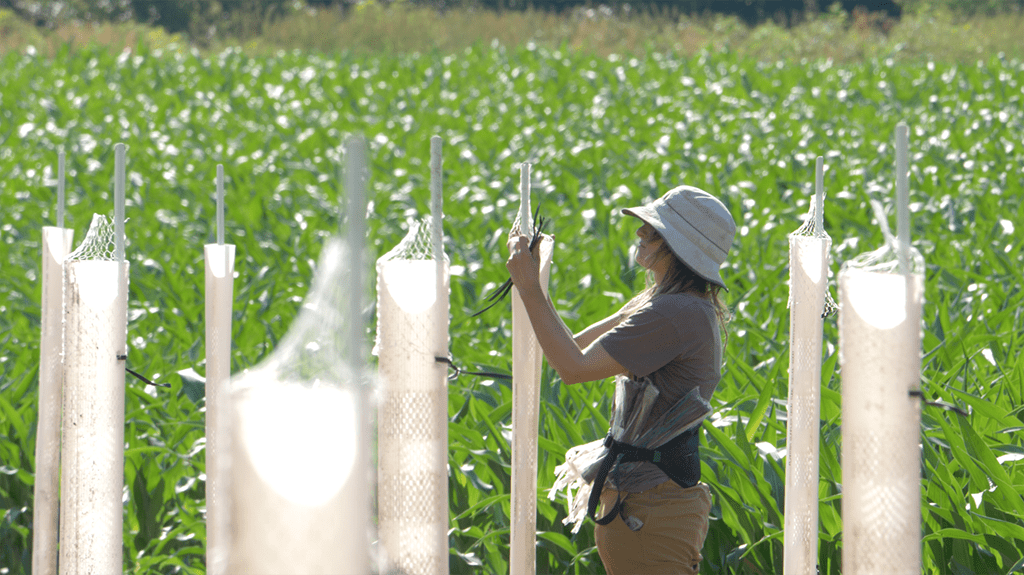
526	371
808	272
56	246
92	447
220	269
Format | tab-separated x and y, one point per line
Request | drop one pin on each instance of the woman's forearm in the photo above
572	363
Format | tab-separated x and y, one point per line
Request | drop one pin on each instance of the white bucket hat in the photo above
696	225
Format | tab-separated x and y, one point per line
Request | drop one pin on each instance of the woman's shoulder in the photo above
675	304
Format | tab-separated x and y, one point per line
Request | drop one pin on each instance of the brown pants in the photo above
675	523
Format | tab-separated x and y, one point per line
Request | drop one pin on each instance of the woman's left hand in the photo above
523	265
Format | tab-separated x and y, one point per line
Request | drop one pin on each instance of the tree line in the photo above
190	16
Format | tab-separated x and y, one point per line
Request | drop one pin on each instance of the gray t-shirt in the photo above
674	340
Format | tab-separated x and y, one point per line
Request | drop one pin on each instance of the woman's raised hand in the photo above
523	264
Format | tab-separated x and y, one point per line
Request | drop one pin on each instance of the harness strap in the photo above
619	452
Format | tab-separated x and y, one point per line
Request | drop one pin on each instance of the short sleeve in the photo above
655	335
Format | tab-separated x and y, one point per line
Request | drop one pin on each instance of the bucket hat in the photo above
696	225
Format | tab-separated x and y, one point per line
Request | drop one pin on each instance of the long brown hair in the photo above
679	278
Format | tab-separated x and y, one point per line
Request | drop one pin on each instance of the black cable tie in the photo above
940	404
459	371
146	381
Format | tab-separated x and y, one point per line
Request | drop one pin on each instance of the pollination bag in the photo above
299	479
412	417
95	303
809	303
880	357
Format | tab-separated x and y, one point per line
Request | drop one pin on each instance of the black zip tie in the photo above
941	404
459	371
504	289
139	376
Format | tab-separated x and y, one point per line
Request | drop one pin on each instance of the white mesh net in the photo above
886	259
810	229
99	243
412	424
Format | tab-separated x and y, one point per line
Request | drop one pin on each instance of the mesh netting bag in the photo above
809	303
298	454
412	424
92	441
881	297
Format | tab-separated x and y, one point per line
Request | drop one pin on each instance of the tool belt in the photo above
679	459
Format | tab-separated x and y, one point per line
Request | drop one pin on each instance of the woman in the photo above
668	335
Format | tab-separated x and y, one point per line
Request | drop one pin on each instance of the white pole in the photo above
819	194
56	246
357	558
526	371
903	197
92	446
525	224
412	430
119	185
60	190
880	358
355	187
808	269
220	268
437	199
220	204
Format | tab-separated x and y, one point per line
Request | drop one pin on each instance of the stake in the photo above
355	187
819	194
220	204
119	184
903	198
524	199
436	199
60	190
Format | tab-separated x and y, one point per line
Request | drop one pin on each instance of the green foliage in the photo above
602	133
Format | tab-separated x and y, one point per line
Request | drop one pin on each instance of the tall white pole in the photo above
808	269
880	358
92	445
526	372
220	268
45	518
